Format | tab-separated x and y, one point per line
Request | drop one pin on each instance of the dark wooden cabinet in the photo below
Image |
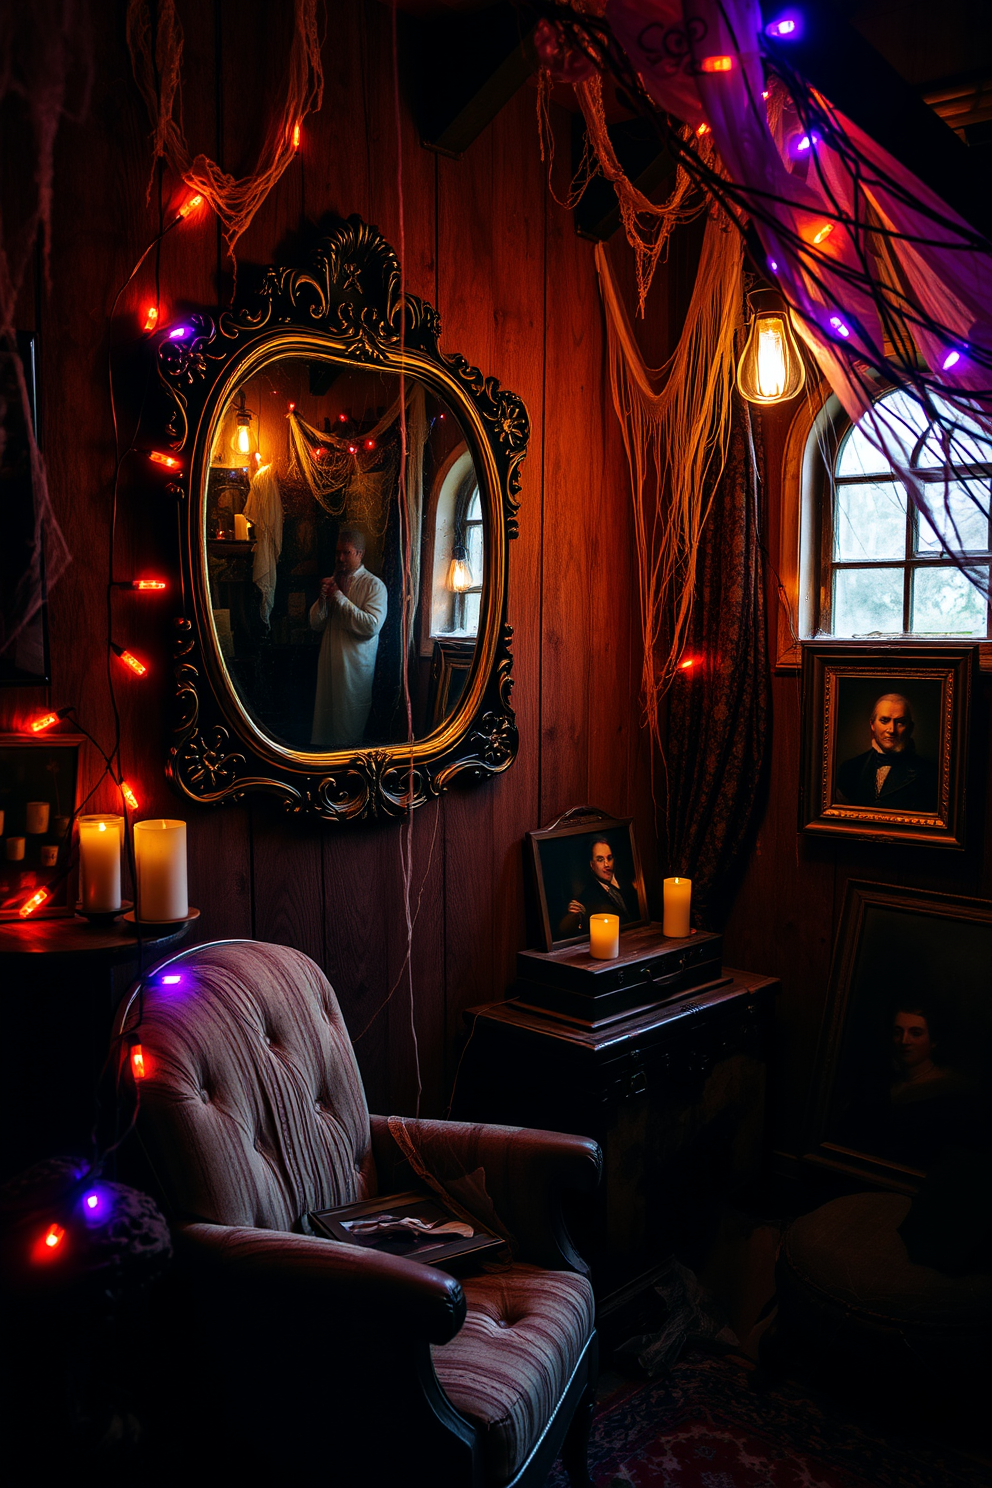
674	1095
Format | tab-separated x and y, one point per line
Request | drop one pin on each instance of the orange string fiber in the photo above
156	58
675	423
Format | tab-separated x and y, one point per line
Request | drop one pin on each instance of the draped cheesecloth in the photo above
156	46
675	423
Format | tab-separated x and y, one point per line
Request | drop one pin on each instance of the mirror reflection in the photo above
344	553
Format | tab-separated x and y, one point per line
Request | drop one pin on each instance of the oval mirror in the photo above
350	492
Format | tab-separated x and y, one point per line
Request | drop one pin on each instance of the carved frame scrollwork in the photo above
346	302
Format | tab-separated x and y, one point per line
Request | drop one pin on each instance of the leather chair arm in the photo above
524	1171
358	1285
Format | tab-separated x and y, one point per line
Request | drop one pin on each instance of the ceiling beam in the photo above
461	70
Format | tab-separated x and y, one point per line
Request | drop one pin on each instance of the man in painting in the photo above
350	612
603	894
890	775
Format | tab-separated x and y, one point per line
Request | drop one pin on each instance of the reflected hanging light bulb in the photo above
771	369
241	440
459	573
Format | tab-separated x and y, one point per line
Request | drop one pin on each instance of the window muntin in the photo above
885	570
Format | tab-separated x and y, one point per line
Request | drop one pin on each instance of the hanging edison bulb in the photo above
771	369
459	573
241	440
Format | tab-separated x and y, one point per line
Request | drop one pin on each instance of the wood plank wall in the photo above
517	295
787	912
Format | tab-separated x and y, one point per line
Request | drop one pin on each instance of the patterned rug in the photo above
704	1426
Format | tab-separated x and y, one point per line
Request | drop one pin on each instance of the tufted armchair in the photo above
282	1353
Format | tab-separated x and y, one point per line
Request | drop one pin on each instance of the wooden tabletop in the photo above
731	985
71	935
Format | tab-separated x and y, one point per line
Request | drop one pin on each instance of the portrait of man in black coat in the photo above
602	894
889	774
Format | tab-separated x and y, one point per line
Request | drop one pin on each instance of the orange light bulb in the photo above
129	796
157	458
151	318
296	135
54	1236
149	585
46	721
139	1067
35	902
716	64
137	667
822	233
191	204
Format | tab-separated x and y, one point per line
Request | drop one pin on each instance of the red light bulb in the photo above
35	902
137	667
157	458
139	1067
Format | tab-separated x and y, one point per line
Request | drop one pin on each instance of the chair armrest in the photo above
524	1170
362	1286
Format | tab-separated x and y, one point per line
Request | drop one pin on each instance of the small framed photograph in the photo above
415	1225
885	741
902	1074
586	864
39	792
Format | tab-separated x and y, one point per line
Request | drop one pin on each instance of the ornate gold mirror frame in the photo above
346	303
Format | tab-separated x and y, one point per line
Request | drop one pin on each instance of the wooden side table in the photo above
58	994
674	1094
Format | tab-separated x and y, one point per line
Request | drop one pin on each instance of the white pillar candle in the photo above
160	864
15	849
240	527
49	854
100	840
678	897
604	936
37	818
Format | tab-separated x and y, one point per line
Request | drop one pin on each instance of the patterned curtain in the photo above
719	709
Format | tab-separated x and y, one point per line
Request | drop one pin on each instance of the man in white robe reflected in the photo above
350	612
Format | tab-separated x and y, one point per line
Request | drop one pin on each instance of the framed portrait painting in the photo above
885	741
586	863
902	1079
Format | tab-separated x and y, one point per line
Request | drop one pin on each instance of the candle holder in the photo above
102	917
193	914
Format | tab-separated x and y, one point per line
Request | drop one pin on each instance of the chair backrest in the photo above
251	1106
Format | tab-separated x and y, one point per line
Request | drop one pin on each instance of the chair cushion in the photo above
850	1253
514	1356
252	1106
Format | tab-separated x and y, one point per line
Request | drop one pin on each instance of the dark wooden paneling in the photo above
518	297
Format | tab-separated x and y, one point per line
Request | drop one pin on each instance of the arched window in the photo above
882	569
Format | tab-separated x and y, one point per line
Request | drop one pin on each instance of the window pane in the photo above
866	600
474	513
472	614
959	505
967	444
870	521
903	421
947	603
473	547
